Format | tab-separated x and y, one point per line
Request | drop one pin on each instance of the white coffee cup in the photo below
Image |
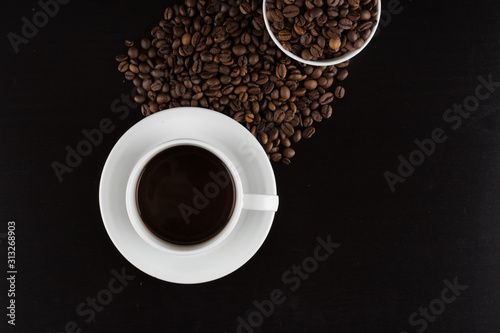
242	201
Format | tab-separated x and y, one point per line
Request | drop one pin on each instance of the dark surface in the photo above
396	248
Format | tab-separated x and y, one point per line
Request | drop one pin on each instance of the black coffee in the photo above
185	195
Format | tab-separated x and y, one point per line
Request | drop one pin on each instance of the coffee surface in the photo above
185	195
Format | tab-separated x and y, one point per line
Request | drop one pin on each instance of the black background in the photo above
396	248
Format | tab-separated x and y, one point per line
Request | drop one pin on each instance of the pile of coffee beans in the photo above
321	29
217	54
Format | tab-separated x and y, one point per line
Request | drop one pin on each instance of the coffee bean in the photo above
258	24
245	38
281	71
133	52
316	12
121	57
326	111
316	51
326	98
299	30
352	36
211	67
263	138
197	66
359	43
249	117
123	66
308	132
145	110
144	68
284	93
285	142
239	50
129	75
279	116
186	39
339	92
306	39
156	86
245	8
297	136
139	99
291	11
276	15
213	81
145	43
232	27
287	129
345	24
152	95
306	55
310	84
316	116
169	13
284	35
153	107
137	81
342	75
254	91
162	98
276	157
365	15
239	116
321	41
146	84
288	153
133	68
365	27
198	96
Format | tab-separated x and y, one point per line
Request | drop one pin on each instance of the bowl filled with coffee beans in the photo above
321	32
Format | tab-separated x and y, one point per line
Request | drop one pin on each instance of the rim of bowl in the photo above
324	62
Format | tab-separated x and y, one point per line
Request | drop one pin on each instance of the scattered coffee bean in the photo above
308	132
287	129
326	98
123	66
342	75
339	92
288	152
276	157
121	57
129	75
218	55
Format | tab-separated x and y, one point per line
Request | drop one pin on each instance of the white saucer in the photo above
233	140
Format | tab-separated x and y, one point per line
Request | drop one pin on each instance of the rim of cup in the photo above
324	62
141	228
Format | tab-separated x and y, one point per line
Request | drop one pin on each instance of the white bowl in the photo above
326	62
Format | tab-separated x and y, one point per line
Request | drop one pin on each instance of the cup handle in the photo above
260	202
